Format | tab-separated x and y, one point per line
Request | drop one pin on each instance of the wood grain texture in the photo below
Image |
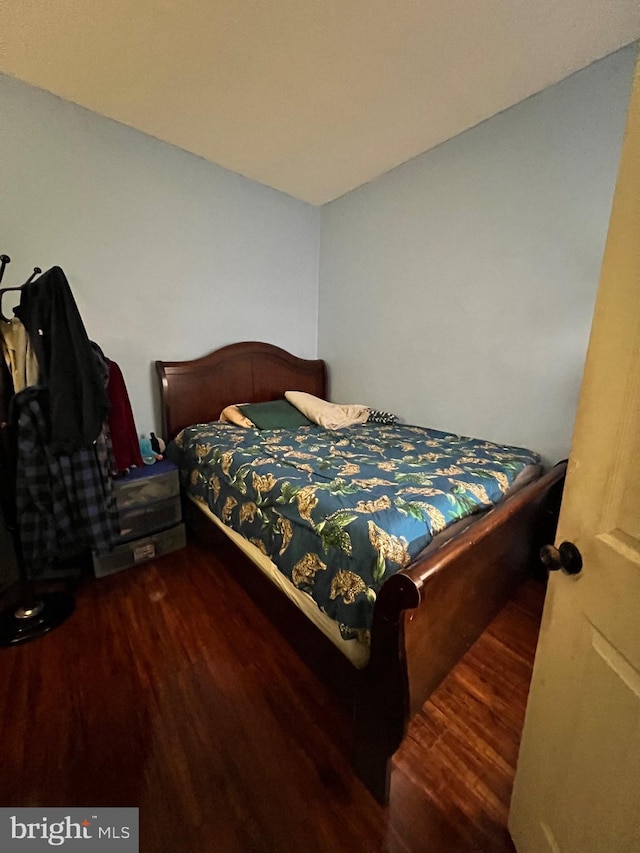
169	690
196	391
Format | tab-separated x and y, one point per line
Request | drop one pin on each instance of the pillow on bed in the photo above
325	414
277	414
378	417
233	415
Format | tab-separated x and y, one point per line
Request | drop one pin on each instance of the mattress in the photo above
355	650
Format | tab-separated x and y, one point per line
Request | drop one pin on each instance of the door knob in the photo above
566	557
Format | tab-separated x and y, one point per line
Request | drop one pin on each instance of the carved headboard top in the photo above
196	391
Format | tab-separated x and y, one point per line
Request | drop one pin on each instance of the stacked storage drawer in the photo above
150	515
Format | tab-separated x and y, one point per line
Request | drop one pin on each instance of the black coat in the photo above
69	366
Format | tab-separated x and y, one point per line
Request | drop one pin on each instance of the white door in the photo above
577	787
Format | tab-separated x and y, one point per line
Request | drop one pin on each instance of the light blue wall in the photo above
458	289
168	256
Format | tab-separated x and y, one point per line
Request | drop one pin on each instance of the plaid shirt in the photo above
61	500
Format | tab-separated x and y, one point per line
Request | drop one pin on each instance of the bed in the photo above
383	644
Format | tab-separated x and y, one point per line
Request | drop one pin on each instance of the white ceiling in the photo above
312	97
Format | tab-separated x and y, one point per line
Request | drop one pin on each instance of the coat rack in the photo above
33	614
4	260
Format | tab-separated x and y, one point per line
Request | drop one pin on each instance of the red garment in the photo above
124	436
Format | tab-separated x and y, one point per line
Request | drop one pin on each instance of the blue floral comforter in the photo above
340	511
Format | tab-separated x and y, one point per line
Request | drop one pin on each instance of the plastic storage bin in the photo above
143	486
149	519
149	515
139	551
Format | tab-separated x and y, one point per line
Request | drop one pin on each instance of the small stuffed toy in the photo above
157	445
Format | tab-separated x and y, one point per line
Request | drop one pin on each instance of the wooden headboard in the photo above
197	391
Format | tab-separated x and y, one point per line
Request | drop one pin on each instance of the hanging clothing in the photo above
62	500
18	353
7	450
124	436
78	403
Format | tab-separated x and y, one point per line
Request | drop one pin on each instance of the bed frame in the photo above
426	616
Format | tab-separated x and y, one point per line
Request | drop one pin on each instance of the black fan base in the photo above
19	623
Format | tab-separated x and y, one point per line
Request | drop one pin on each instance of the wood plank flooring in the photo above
168	690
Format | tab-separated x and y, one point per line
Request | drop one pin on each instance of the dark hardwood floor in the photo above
168	690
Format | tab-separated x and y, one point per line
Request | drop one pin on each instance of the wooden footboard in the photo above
426	617
429	615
